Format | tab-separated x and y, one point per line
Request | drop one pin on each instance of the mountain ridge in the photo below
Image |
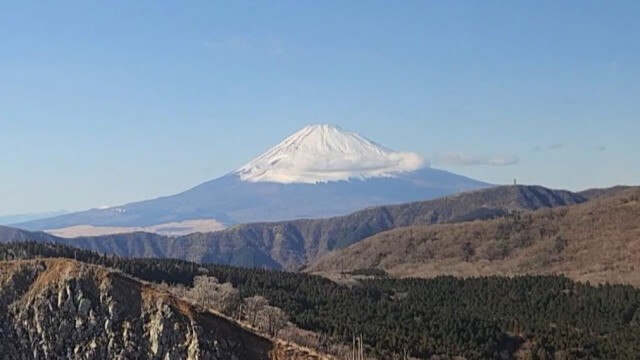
294	243
593	241
241	202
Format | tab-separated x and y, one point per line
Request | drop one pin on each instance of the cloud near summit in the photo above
459	158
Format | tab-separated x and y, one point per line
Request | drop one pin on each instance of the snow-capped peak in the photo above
322	153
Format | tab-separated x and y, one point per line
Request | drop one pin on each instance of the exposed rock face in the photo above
55	309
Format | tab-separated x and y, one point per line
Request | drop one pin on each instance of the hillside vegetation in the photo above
291	244
528	317
603	192
597	241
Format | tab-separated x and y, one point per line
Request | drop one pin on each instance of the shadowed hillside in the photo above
291	244
597	241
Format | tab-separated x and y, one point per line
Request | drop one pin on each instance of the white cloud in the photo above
231	43
461	159
270	46
553	146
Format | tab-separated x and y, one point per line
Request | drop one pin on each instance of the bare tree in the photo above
210	293
178	290
252	306
274	320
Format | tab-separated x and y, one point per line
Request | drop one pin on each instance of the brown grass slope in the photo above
57	307
603	192
291	244
596	241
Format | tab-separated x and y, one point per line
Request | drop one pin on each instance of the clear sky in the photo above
107	102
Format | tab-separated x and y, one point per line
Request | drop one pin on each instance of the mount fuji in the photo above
324	153
320	171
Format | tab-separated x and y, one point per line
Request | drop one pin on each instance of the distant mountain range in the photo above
292	244
19	218
320	171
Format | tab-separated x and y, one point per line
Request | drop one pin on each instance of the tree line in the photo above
530	317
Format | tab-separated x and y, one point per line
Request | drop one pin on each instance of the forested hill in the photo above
597	240
291	244
151	245
529	317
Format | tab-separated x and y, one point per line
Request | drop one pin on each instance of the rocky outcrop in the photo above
54	309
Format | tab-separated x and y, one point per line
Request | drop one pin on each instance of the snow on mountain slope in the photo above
320	171
322	153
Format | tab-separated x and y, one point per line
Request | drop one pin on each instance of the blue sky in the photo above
103	103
